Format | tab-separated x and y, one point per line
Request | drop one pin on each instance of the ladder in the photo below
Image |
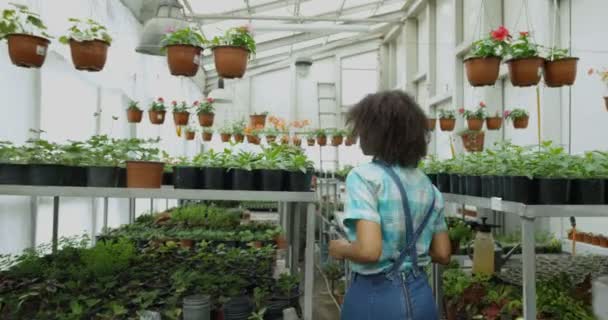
329	117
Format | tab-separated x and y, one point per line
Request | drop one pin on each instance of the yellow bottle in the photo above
483	254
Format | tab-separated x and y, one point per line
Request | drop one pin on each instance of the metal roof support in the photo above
288	18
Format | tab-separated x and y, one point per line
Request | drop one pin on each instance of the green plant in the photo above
158	105
522	47
206	107
137	149
244	161
460	232
238	127
187	36
333	272
179	107
21	20
260	295
193	129
10	153
134	105
553	299
287	284
494	45
225	130
338	133
555	54
447	114
101	151
343	173
299	162
86	30
106	259
320	133
208	130
516	114
239	36
552	162
479	113
40	151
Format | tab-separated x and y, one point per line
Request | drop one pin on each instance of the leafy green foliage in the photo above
134	105
180	106
243	160
21	20
86	30
158	105
287	284
516	114
555	54
320	133
205	107
240	37
523	47
447	114
494	45
460	231
187	36
554	299
106	258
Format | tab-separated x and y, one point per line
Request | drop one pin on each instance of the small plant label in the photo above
197	60
159	116
41	51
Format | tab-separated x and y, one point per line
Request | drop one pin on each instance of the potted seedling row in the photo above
26	36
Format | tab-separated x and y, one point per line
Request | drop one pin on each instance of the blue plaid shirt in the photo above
372	195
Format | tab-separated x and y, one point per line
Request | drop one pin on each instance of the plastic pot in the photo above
144	174
486	186
560	72
462	184
494	123
89	55
230	61
447	124
183	60
206	119
239	138
134	115
181	118
271	139
167	178
156	117
521	123
525	72
238	308
74	176
225	137
588	191
475	124
553	191
186	177
473	186
482	71
197	307
507	188
431	124
523	190
454	184
272	180
242	179
322	141
337	140
15	174
103	177
310	142
443	182
257	120
46	175
207	136
122	177
213	178
299	182
497	186
26	50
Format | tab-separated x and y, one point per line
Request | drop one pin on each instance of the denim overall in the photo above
394	294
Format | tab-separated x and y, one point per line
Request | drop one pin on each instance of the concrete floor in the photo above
324	307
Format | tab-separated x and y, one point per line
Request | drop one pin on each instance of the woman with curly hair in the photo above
394	216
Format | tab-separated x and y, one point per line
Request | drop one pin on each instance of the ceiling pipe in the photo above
289	18
313	28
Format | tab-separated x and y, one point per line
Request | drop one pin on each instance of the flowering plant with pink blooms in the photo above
603	74
516	114
205	107
239	37
523	47
479	113
494	45
158	105
179	107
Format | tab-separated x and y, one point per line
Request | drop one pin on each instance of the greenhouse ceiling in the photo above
288	28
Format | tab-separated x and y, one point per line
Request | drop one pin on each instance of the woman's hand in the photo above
337	248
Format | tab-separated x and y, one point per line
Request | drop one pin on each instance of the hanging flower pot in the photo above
560	71
184	49
521	123
239	138
475	124
232	51
285	140
447	119
431	124
482	71
207	134
253	139
474	118
258	120
190	134
157	111
89	42
134	113
520	118
337	140
297	141
225	135
271	139
310	142
181	118
473	140
21	28
494	123
525	65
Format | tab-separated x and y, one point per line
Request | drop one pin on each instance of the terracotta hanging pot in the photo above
157	117
521	123
337	140
181	118
560	72
475	124
239	138
431	124
89	55
351	140
493	123
26	50
207	136
230	61
482	71
271	139
257	120
144	174
297	141
473	141
190	135
285	140
206	119
253	139
183	60
134	115
310	142
225	137
525	72
322	141
447	124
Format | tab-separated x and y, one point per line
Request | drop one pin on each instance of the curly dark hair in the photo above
392	127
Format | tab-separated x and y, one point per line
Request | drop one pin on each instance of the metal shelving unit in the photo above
283	198
528	215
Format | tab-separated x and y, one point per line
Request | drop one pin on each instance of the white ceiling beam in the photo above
286	18
261	8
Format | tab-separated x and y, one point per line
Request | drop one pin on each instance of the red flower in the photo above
174	102
524	33
500	34
210	100
161	100
507	113
482	104
461	110
195	103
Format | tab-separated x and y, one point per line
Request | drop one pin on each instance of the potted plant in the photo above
143	168
43	159
284	295
311	139
588	186
253	135
494	122
186	175
321	135
212	164
241	168
472	140
447	119
232	51
337	137
26	37
259	299
180	113
13	168
271	135
225	133
560	68
483	62
603	74
207	134
157	111
258	119
184	49
296	140
351	138
190	132
102	162
205	112
525	64
475	118
333	272
520	117
134	112
300	172
459	233
553	168
89	42
431	123
238	130
271	167
285	138
455	282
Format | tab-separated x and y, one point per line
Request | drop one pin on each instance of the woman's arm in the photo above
366	249
440	250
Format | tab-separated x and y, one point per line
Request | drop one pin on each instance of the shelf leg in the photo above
33	220
151	206
296	216
55	239
309	267
105	213
131	210
437	282
529	267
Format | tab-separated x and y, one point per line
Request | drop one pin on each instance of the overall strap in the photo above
411	237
